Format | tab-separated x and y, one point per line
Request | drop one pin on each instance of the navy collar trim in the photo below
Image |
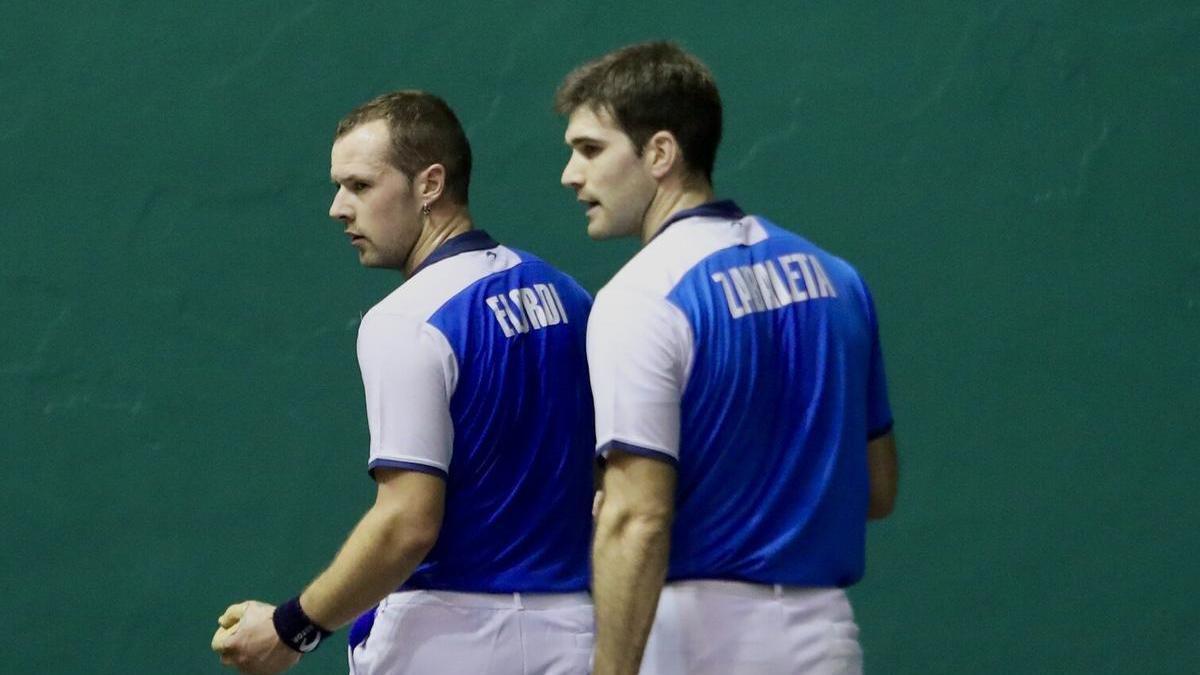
724	208
472	240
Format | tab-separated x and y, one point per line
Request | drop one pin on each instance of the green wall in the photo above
181	420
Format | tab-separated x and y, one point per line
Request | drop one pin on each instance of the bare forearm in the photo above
629	564
381	552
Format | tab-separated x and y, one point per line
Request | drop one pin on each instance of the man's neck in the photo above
668	202
441	226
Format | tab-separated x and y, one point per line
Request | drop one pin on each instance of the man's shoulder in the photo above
786	238
541	267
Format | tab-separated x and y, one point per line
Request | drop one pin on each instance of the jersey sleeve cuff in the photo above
384	463
638	450
881	431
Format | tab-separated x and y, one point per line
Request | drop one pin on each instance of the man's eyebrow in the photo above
583	138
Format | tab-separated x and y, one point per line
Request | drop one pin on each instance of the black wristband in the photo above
295	629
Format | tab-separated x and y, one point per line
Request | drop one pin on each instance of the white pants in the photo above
725	627
446	633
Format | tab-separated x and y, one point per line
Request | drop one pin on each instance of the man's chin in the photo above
599	231
369	259
375	258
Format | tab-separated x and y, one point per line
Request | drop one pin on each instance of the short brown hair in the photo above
650	87
424	131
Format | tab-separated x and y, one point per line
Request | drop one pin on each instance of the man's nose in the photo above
339	209
572	176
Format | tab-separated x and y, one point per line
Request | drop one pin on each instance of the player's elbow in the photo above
420	535
409	535
643	522
882	499
881	505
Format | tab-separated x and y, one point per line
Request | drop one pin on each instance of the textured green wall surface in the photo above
181	420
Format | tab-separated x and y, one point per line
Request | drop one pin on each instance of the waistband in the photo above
752	590
533	601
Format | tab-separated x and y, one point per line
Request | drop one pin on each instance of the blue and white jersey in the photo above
475	370
750	359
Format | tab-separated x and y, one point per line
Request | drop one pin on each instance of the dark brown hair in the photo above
650	87
424	131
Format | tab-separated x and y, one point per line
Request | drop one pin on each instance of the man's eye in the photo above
589	151
359	186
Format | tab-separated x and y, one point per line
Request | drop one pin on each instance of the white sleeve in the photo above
409	373
639	355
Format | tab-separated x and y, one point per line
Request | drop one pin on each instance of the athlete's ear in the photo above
429	184
661	153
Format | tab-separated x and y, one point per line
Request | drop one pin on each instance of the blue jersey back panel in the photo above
776	415
519	487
